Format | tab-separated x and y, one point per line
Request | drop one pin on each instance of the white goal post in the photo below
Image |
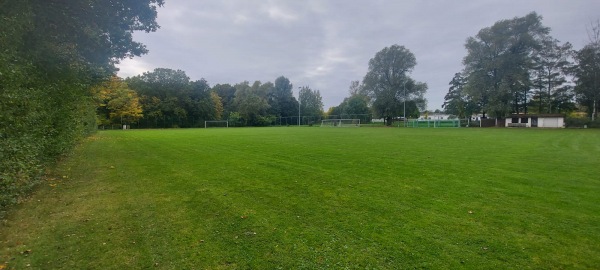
222	123
340	123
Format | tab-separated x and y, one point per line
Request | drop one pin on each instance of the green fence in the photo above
431	123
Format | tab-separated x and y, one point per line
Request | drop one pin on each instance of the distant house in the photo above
536	120
434	116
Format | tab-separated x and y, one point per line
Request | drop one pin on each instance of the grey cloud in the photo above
327	44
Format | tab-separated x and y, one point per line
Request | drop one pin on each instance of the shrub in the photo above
39	121
578	122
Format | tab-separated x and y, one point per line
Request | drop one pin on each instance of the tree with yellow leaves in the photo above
116	103
218	104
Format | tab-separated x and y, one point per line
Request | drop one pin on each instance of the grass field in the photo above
315	198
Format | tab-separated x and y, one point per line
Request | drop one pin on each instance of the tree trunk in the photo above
549	96
594	111
525	109
540	108
595	95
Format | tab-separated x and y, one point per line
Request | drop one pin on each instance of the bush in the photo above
235	120
578	122
49	59
39	121
263	121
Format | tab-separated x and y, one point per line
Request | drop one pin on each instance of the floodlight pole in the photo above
404	118
299	88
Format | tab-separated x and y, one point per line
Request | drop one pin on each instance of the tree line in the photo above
516	66
167	98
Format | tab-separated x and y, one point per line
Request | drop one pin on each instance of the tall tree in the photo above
388	83
200	105
587	72
311	103
551	64
498	63
456	101
281	100
354	106
218	105
116	103
251	103
334	112
161	82
227	94
181	103
357	89
92	36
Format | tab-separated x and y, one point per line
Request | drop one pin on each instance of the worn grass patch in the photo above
310	198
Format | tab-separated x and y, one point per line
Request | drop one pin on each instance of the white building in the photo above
536	120
434	116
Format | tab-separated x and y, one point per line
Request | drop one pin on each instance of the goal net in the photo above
211	124
340	123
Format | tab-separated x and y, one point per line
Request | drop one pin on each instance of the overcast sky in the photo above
327	44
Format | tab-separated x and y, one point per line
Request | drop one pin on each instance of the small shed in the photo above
536	120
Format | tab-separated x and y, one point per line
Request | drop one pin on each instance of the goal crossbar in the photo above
226	123
340	123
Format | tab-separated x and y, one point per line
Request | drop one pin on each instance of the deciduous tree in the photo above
498	64
182	103
354	106
311	103
587	72
116	103
227	94
388	83
200	105
551	64
281	100
456	101
218	105
250	103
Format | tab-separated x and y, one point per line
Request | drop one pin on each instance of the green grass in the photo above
316	198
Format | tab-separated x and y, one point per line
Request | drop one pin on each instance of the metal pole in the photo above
299	106
404	119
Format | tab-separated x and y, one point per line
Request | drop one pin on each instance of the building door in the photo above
534	121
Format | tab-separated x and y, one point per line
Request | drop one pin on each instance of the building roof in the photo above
541	115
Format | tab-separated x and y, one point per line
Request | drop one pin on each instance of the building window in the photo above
515	120
524	120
